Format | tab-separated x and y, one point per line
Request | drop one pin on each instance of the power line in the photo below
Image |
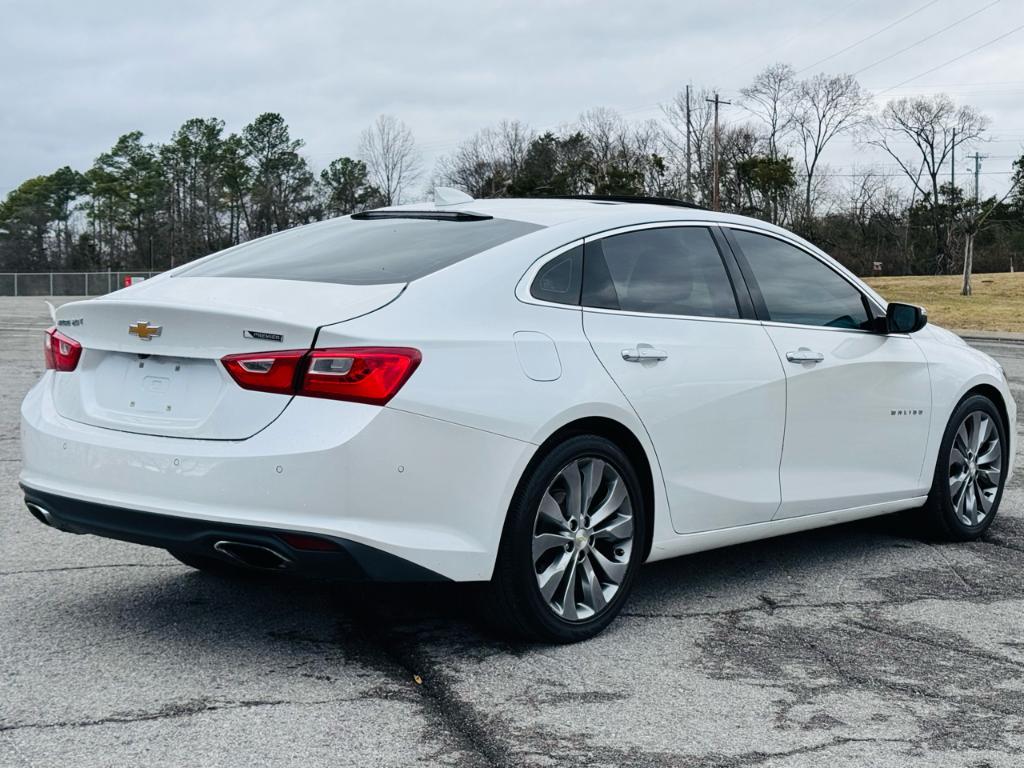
954	59
927	38
803	30
869	37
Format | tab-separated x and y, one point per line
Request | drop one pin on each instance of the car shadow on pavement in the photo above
742	575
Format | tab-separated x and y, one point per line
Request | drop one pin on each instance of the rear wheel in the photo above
573	542
969	473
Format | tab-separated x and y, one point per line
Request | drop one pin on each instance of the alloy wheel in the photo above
583	538
975	468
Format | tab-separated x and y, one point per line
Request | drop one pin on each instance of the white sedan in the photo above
537	394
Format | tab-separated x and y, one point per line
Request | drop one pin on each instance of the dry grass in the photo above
997	303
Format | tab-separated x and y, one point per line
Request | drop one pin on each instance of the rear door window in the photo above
670	271
361	252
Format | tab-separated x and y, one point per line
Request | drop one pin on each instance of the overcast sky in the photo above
76	75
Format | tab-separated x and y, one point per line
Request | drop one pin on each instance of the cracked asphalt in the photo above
850	646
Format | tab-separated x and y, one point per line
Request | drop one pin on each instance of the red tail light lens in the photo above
357	374
266	372
60	352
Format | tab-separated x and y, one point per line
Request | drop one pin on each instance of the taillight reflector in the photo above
308	543
60	352
357	374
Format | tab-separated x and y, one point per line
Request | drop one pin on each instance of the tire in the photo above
596	541
949	513
212	565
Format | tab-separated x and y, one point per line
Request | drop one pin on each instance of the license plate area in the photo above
156	389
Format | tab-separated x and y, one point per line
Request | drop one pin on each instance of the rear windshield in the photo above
361	252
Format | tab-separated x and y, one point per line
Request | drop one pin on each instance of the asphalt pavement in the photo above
859	645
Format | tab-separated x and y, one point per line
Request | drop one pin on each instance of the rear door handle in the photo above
804	355
643	353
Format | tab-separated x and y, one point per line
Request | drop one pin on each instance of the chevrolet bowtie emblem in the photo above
144	330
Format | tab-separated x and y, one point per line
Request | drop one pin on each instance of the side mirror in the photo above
905	318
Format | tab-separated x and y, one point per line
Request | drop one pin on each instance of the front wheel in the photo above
573	542
969	473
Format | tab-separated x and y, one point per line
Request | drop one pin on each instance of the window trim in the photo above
871	306
732	271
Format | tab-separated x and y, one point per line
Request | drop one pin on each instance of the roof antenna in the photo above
449	196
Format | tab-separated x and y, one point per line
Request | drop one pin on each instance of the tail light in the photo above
358	374
60	352
266	372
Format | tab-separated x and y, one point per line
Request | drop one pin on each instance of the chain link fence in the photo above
66	283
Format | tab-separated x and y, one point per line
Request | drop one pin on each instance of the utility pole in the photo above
952	165
689	185
715	206
977	171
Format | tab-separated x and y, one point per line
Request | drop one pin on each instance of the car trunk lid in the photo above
151	359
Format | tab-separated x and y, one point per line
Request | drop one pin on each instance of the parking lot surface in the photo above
859	645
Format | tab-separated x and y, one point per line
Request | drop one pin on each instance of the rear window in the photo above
355	252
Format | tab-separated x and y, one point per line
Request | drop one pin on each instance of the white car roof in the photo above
553	211
608	214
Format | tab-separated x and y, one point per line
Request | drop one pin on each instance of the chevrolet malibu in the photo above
540	395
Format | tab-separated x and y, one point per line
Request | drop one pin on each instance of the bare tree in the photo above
825	106
647	140
674	137
489	162
513	140
389	151
770	99
935	126
975	217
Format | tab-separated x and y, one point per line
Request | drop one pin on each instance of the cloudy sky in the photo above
78	74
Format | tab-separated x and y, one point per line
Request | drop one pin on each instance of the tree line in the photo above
148	205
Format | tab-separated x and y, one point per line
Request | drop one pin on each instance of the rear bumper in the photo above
350	561
426	491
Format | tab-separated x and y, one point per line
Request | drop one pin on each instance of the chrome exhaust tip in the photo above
253	555
41	514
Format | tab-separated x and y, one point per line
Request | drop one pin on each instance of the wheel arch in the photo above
622	436
993	394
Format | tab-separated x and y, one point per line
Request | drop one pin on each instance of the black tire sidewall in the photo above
517	548
949	521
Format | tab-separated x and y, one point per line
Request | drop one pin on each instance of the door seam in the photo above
785	418
650	439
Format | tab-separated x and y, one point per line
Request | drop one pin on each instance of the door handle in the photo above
804	355
643	353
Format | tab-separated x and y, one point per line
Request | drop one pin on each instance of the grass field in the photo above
997	303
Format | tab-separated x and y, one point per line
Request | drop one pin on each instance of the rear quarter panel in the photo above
464	320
